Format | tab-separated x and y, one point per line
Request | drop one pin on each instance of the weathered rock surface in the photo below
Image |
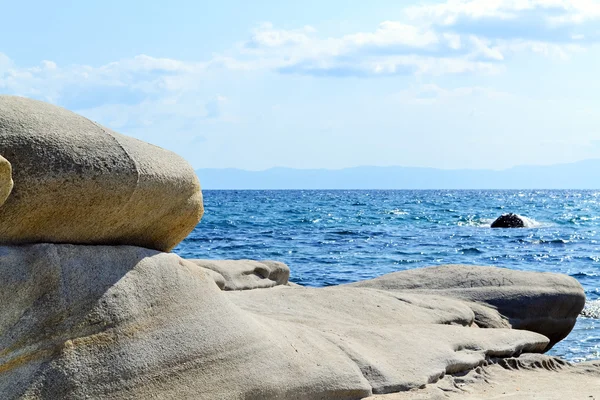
126	322
117	322
6	182
246	274
78	182
509	220
539	302
531	376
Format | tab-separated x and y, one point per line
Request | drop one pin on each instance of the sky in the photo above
320	84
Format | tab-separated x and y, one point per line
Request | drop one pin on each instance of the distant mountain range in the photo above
579	175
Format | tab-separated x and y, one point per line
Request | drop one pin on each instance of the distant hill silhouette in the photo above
579	175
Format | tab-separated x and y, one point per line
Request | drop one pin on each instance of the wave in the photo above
591	309
487	222
583	275
470	250
396	212
532	223
544	241
476	222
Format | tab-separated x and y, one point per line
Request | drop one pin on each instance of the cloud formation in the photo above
455	37
461	36
452	37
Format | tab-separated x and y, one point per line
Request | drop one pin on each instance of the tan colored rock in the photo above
545	303
246	274
123	322
78	182
6	182
531	376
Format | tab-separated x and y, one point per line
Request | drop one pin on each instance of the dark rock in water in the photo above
508	221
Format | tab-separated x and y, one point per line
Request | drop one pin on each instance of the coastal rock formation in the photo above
91	308
78	182
509	220
127	322
500	298
6	182
246	274
531	376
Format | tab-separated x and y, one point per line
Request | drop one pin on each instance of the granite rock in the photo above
121	322
545	303
6	182
78	182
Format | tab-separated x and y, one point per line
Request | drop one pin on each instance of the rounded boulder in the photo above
509	220
6	182
78	182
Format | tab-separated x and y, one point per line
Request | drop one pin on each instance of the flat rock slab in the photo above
121	322
78	182
524	378
546	303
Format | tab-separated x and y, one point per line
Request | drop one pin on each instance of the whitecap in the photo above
591	309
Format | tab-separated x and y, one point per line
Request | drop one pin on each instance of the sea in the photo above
330	237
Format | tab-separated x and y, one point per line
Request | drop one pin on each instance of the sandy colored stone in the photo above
246	274
78	182
125	322
524	378
399	341
122	322
546	303
6	182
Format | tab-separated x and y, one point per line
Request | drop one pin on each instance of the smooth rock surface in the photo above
545	303
121	322
6	182
78	182
246	274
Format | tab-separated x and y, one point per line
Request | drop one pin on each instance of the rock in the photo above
125	322
545	303
122	322
6	182
246	274
78	182
530	376
509	220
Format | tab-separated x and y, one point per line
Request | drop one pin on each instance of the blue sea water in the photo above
334	237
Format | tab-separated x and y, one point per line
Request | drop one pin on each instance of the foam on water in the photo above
592	309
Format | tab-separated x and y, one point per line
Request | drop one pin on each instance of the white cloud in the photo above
456	36
476	35
452	37
266	35
392	33
552	20
428	94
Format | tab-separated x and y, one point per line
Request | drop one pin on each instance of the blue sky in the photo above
314	84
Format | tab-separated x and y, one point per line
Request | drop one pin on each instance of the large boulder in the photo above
122	322
546	303
78	182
